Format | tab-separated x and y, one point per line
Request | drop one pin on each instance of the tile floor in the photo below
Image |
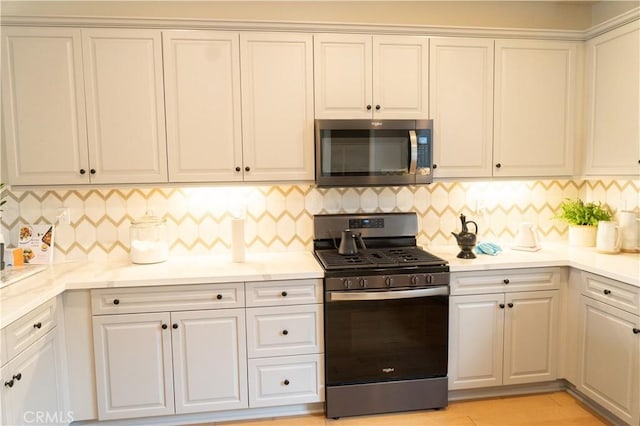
557	409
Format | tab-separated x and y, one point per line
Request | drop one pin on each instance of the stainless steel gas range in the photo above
386	311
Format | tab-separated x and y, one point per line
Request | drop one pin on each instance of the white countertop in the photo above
23	296
623	267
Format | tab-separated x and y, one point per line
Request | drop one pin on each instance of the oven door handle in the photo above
344	296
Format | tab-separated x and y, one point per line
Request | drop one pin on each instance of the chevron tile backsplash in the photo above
280	217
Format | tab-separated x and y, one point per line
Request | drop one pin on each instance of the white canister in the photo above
148	239
630	230
608	237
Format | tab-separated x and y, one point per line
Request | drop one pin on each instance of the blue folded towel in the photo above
488	248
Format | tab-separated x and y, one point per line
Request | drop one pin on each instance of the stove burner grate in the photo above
378	258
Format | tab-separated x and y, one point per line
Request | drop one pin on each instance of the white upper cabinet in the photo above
125	105
83	106
535	107
277	106
613	102
461	105
361	76
202	90
43	106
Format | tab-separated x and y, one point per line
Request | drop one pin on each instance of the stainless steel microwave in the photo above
373	152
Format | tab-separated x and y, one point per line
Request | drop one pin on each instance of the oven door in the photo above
386	335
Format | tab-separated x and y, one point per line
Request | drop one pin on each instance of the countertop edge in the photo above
27	295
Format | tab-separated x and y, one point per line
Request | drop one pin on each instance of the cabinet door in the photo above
343	76
32	386
43	106
277	106
125	105
476	326
202	88
613	102
461	105
530	337
610	359
535	107
400	77
133	365
209	360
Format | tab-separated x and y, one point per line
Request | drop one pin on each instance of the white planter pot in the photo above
582	235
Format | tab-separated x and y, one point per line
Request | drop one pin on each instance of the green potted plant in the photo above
583	220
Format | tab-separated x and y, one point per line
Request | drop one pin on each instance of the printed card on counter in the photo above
36	242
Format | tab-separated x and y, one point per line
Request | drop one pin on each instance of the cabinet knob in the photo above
636	330
607	292
92	171
116	301
18	376
247	169
368	107
9	384
286	382
175	326
285	332
434	166
219	297
164	326
82	171
510	305
378	107
498	165
501	305
238	169
284	294
506	281
37	325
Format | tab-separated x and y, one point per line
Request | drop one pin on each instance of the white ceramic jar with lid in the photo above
148	239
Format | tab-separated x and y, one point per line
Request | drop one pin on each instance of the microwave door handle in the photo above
413	139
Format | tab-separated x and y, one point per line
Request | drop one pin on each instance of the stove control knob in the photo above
388	281
413	279
346	283
429	278
363	282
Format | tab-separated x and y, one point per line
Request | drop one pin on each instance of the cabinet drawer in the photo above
286	380
279	293
169	298
285	330
612	292
506	280
23	332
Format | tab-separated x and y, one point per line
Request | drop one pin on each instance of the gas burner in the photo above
378	258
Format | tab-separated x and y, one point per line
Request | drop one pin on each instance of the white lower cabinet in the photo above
32	384
284	343
609	347
507	337
286	380
159	363
31	391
